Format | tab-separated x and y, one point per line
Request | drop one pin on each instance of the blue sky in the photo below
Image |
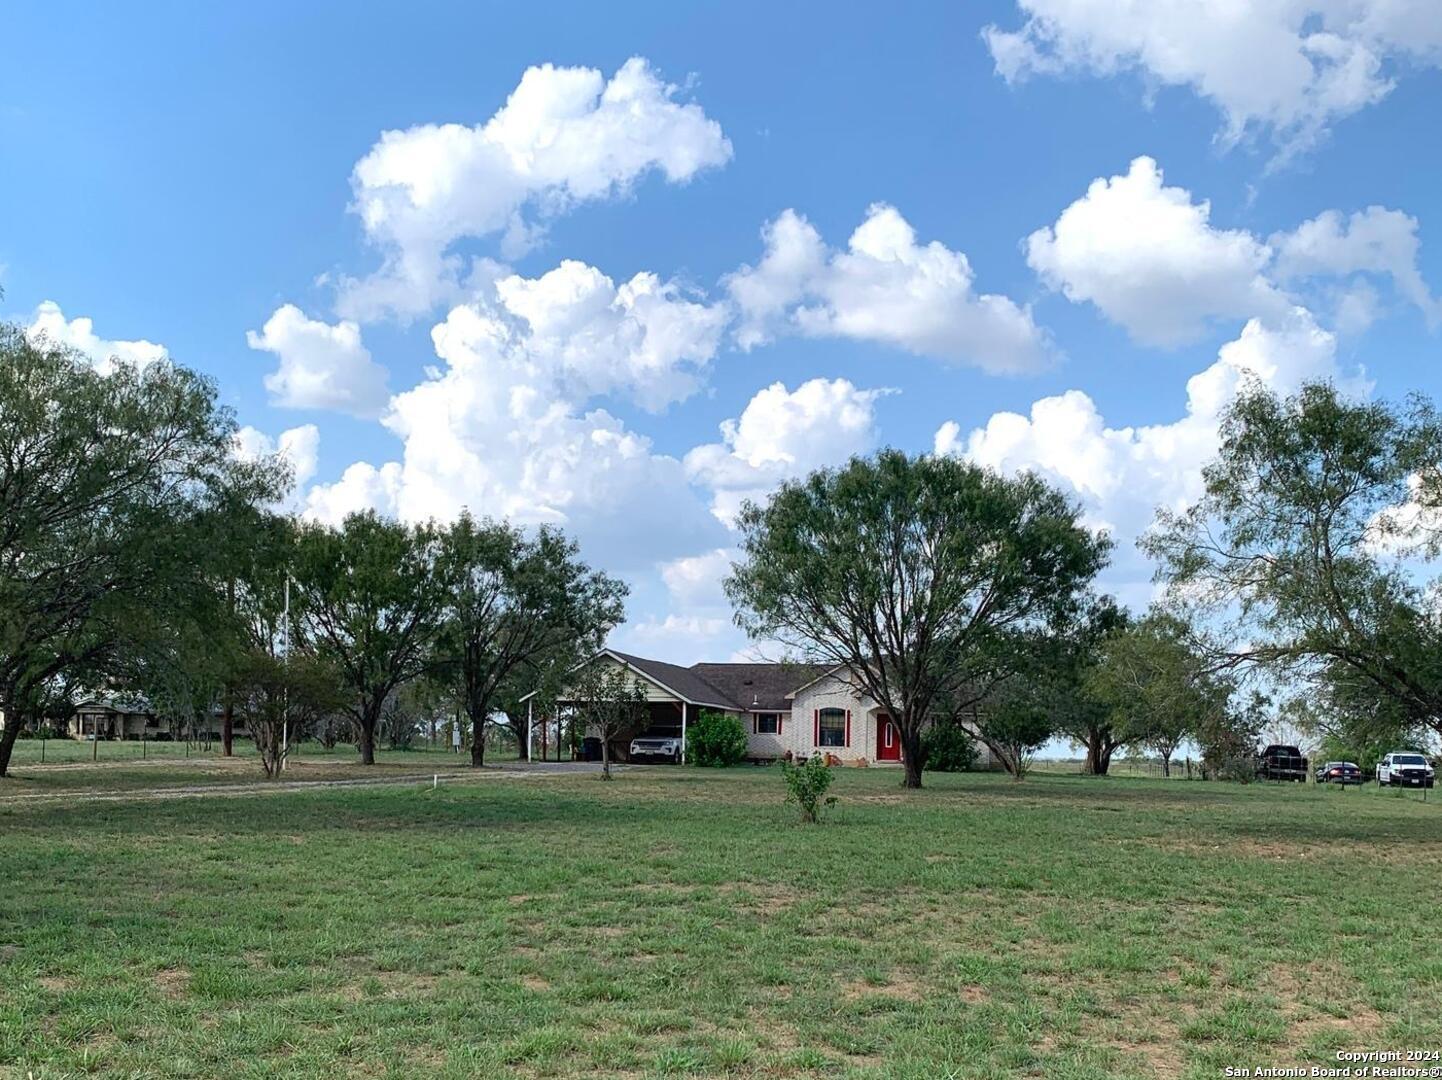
1266	207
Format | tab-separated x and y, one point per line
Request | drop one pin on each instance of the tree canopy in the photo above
915	574
110	486
513	601
1290	545
370	601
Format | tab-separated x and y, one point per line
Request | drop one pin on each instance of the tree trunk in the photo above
478	739
7	738
605	756
1099	755
911	759
227	716
366	742
227	727
517	724
1166	765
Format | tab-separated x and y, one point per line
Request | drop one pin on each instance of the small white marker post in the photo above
435	781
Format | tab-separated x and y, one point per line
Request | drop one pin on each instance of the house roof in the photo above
685	683
758	687
739	687
113	703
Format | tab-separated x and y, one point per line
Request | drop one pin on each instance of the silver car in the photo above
656	749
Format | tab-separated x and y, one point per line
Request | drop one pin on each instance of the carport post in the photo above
529	725
683	733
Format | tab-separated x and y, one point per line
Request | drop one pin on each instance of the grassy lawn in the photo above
677	922
125	769
28	752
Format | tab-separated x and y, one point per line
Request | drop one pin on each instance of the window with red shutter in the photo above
831	727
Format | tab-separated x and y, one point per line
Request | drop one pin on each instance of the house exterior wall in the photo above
838	692
832	692
766	747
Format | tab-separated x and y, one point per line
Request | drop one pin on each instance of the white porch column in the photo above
530	725
683	733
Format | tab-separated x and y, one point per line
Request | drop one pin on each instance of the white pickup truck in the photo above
1404	768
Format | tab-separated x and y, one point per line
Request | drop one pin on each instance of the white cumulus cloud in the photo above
299	447
1375	241
1285	68
361	487
1149	258
1122	474
506	427
322	366
49	321
782	434
694	582
884	287
576	328
565	136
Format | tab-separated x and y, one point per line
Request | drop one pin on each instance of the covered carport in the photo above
674	696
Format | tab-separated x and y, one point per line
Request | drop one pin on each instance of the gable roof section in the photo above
685	683
737	687
758	687
819	672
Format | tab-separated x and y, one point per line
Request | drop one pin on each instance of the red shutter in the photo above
778	723
848	727
816	722
755	724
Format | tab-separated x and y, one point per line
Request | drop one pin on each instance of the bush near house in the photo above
806	785
948	748
716	740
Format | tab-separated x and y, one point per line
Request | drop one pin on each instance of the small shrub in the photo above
806	785
948	748
716	740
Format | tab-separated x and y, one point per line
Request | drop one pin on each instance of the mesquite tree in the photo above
369	600
912	574
279	698
611	703
1290	543
1070	657
109	486
1155	685
513	600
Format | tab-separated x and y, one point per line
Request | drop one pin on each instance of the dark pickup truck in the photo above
1279	762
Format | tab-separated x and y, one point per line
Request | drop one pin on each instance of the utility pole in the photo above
285	691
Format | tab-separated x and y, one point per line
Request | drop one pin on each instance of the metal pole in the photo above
285	690
530	725
683	733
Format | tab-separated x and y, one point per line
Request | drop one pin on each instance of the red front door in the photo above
888	739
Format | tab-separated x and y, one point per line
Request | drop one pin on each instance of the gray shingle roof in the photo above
758	686
683	681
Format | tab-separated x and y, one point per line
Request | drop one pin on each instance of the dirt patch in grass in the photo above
1329	850
391	985
899	987
974	995
1300	988
762	898
535	983
1158	1059
56	984
774	1033
174	983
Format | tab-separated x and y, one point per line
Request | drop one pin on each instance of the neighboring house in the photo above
114	717
796	709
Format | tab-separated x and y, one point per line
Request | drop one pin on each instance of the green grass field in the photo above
679	922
